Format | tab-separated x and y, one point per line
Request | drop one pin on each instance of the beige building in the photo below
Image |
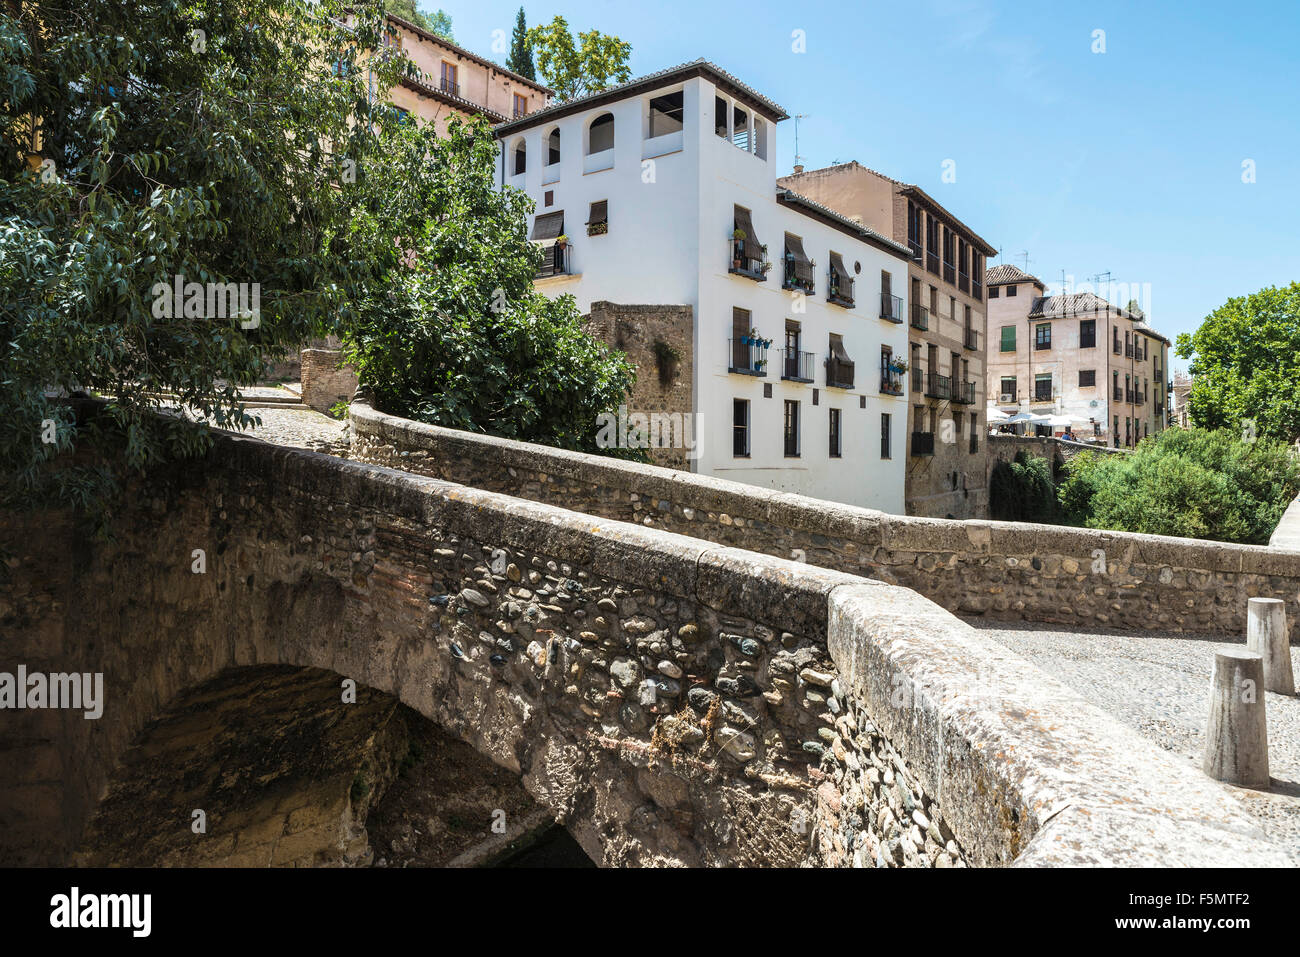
1181	389
1076	357
947	456
455	82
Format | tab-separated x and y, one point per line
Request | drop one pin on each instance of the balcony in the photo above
963	393
938	386
742	265
914	247
971	340
1119	394
450	86
792	281
963	282
920	317
1128	396
1042	395
922	443
839	290
796	366
891	308
932	261
891	377
949	272
748	355
839	373
977	290
1139	398
918	380
1128	350
1160	407
555	262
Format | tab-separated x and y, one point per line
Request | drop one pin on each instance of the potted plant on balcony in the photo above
561	241
738	246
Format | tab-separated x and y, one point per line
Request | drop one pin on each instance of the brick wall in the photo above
659	340
325	380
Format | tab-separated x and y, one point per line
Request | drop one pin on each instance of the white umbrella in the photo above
1023	417
1059	420
994	414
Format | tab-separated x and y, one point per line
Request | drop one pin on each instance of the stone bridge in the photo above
669	700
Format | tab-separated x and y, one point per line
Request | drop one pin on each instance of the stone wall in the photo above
659	340
325	380
669	700
1002	570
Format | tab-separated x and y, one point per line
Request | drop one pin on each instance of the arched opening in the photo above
553	147
600	135
277	765
519	158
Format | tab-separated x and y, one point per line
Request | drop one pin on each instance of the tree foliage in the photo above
457	335
1192	483
143	142
1246	365
1022	490
437	23
572	69
521	50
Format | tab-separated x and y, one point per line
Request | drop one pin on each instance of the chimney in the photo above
798	167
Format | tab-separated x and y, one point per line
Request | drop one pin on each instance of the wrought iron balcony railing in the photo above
748	356
796	366
891	307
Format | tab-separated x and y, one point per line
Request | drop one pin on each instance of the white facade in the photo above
671	206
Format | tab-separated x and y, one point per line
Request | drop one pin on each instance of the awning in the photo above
837	350
753	248
803	268
548	225
599	212
837	267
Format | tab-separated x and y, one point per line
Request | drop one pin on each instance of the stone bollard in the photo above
1236	737
1266	633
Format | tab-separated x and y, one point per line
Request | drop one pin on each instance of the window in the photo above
720	124
1087	333
1011	290
1043	387
791	429
993	292
600	135
520	106
740	128
956	423
598	218
666	114
553	148
1008	338
835	434
886	445
740	428
521	157
934	302
760	144
1008	387
449	76
1087	377
1043	335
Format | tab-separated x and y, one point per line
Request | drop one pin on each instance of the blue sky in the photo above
1128	160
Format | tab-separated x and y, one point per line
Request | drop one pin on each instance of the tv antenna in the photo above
1024	255
797	117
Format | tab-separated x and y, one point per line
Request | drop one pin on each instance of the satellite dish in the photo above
1092	404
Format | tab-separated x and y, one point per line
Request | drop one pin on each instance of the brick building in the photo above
946	462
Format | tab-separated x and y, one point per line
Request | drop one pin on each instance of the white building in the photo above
649	181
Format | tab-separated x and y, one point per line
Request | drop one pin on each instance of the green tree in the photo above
1191	483
521	51
457	335
595	62
1022	491
1246	364
157	142
439	23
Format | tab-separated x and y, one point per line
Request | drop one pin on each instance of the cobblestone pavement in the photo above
302	428
1158	683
